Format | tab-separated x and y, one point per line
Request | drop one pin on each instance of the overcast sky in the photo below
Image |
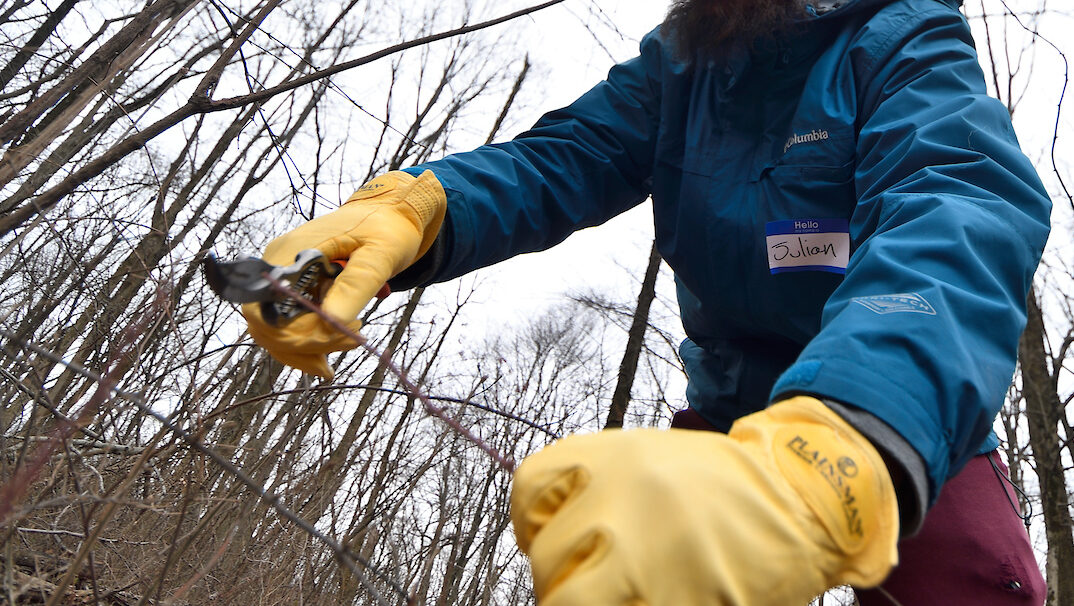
573	45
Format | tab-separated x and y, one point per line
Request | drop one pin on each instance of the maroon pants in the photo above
972	548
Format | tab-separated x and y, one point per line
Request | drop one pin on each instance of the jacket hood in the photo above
822	18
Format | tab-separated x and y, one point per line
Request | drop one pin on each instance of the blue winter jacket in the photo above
847	213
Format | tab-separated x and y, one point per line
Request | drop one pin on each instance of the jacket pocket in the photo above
826	153
810	174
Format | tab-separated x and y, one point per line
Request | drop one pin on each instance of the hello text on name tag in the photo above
808	245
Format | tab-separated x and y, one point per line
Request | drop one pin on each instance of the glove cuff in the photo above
423	195
429	201
905	465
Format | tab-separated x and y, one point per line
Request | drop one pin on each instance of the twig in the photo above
1059	107
505	463
79	535
204	570
343	554
200	103
336	387
97	445
267	93
15	489
888	595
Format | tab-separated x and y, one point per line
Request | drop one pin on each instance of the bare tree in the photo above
135	141
1036	426
635	337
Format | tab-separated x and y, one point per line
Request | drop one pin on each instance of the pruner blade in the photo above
245	281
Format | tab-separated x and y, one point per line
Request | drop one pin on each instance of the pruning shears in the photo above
246	281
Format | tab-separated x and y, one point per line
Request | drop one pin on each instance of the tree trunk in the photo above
1043	411
32	45
635	340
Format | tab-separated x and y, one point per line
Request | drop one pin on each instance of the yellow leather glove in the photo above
384	227
791	502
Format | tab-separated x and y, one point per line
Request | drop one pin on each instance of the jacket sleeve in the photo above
577	167
950	224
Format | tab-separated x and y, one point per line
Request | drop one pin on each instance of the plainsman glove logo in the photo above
837	475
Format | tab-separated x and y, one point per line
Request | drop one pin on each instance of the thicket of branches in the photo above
121	166
168	460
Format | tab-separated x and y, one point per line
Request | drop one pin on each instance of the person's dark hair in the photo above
706	25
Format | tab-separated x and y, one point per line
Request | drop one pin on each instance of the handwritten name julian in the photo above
782	250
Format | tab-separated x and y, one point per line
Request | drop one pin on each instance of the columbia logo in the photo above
810	137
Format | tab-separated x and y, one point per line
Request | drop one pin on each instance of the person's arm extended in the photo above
923	332
577	167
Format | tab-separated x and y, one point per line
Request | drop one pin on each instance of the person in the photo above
853	230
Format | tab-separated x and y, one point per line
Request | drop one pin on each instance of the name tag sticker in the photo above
808	245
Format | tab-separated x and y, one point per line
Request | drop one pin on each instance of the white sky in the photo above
570	62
